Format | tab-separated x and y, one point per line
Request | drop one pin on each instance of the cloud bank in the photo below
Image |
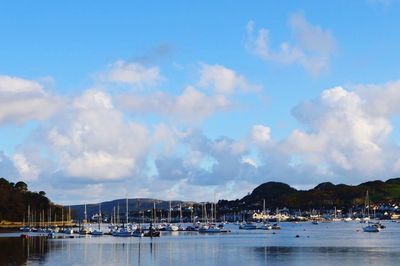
98	141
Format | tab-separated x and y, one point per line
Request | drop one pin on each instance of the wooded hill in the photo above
15	199
323	196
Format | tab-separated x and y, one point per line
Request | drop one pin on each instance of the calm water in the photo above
324	244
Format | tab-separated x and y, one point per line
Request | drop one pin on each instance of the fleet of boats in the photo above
202	226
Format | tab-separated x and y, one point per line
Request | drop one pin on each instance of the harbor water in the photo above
334	243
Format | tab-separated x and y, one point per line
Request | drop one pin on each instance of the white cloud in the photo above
191	105
344	138
347	134
7	167
312	47
224	80
383	100
92	140
311	37
22	100
134	74
212	162
27	171
261	135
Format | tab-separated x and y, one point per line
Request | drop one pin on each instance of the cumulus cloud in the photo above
22	100
207	162
261	135
343	130
344	138
192	105
312	47
224	80
27	170
92	140
383	100
7	167
132	73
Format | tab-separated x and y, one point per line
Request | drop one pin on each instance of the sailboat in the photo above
276	225
170	227
26	228
85	230
266	225
98	232
124	231
335	218
69	230
153	232
371	227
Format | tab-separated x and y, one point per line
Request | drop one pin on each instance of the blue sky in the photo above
197	97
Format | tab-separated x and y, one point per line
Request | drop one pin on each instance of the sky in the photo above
197	100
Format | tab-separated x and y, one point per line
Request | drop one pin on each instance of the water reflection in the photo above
328	255
327	245
17	251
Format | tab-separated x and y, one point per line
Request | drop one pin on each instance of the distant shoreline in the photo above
9	225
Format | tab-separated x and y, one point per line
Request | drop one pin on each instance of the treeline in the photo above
15	199
324	196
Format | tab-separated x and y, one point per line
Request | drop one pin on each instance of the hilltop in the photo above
323	196
15	199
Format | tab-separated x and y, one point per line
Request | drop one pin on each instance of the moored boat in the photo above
123	232
171	228
371	228
249	226
138	233
266	226
97	232
276	227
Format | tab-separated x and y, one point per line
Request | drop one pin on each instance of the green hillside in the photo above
15	199
323	196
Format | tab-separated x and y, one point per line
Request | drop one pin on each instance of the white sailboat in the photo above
98	232
125	230
371	227
170	227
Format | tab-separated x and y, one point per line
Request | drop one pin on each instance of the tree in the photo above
21	186
42	193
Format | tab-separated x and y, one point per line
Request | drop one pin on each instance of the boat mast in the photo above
154	218
205	213
114	215
215	211
69	214
99	215
169	212
277	216
212	212
263	213
180	213
29	214
85	220
118	221
202	212
126	210
367	203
